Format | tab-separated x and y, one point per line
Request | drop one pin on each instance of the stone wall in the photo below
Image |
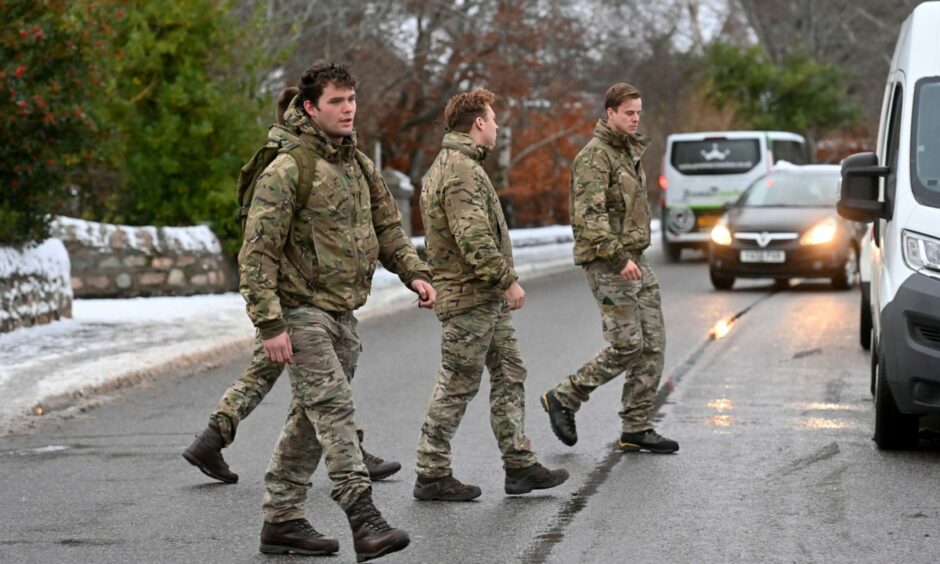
117	261
34	285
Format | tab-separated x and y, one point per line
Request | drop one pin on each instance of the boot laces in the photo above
304	526
370	458
370	517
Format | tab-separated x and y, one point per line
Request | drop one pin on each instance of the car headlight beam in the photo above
720	234
821	233
920	251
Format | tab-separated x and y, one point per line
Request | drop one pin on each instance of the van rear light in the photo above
663	181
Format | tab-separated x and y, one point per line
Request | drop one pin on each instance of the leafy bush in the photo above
47	79
799	94
181	112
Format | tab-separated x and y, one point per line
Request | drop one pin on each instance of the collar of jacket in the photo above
298	121
634	145
466	145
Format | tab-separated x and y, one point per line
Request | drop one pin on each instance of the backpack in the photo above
248	175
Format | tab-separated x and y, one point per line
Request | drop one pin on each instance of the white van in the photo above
899	189
703	171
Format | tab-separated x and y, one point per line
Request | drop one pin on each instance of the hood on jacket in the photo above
297	120
465	144
635	145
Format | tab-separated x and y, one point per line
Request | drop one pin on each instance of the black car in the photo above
785	226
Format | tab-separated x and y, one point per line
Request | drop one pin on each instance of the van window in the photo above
790	151
925	142
715	156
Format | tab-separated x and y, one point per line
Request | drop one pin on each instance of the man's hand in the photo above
516	296
278	349
426	293
631	271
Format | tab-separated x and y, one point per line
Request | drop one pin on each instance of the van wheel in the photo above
864	321
721	281
673	252
893	430
848	276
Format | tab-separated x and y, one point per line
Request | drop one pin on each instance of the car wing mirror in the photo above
859	198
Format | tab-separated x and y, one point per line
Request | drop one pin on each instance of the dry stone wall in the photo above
34	285
117	261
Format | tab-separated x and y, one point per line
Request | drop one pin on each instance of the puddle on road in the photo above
825	406
824	423
50	449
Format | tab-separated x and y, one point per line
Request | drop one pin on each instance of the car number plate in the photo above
763	256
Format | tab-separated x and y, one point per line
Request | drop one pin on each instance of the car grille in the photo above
926	331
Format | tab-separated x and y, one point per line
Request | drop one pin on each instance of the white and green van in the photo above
704	171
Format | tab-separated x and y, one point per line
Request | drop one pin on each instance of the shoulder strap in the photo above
306	160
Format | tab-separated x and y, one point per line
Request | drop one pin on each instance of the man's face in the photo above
488	128
626	117
335	112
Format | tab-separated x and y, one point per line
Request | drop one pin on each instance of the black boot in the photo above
445	488
297	537
378	468
561	419
206	454
647	440
372	536
535	477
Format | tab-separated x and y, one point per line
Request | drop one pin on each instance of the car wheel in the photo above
673	252
873	362
781	283
893	430
864	321
847	277
721	281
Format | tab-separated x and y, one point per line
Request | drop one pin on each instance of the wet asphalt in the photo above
773	418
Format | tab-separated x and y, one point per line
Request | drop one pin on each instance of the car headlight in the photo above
720	234
920	251
822	232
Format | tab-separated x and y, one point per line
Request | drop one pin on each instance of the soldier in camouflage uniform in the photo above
470	255
241	398
610	217
305	267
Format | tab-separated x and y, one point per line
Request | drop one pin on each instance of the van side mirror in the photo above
859	198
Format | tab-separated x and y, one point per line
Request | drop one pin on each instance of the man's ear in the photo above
610	112
310	108
478	123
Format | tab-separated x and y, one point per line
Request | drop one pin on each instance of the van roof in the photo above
700	135
921	42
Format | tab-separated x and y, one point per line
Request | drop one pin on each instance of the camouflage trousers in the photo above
244	395
632	320
481	336
321	420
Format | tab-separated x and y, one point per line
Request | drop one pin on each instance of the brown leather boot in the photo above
445	488
378	468
297	537
372	536
206	454
535	477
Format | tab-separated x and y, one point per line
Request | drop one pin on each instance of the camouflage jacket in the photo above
466	238
325	254
610	215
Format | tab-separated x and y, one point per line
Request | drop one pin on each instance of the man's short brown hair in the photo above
318	75
465	107
618	94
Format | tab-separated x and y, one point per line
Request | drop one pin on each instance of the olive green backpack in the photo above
250	173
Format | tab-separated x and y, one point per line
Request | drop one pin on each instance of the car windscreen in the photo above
925	133
715	156
793	190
